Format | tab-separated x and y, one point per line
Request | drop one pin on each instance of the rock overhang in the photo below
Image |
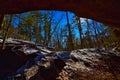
101	10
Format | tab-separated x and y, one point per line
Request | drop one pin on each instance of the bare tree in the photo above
6	33
1	20
80	31
88	36
70	40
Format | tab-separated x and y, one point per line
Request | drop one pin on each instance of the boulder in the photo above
10	61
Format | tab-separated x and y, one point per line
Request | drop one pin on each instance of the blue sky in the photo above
58	14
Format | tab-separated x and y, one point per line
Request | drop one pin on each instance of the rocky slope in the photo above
24	60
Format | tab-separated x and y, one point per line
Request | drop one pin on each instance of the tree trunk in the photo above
1	20
89	40
80	32
70	40
36	32
6	33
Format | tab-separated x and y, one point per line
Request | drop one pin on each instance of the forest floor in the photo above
24	60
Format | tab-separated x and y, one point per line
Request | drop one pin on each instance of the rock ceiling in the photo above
106	11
